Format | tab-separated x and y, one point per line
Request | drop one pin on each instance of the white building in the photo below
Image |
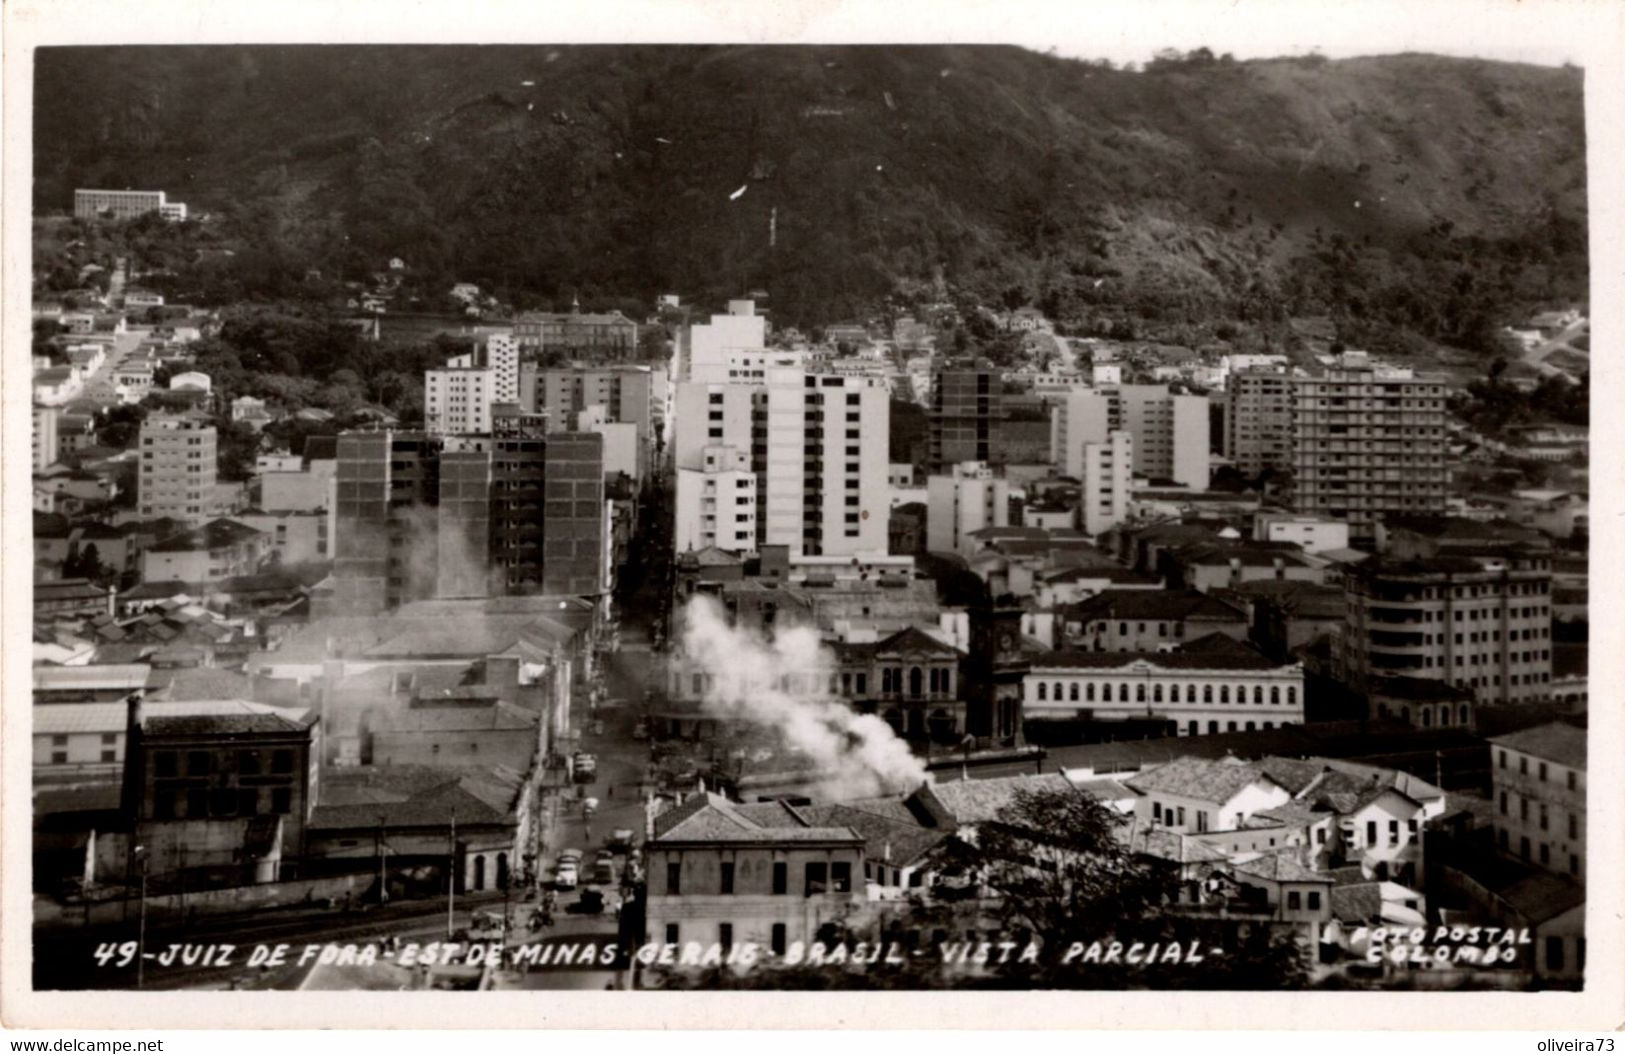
716	502
967	500
709	344
190	381
1080	416
1107	477
177	474
47	445
502	359
457	400
1313	534
1170	433
1212	685
817	446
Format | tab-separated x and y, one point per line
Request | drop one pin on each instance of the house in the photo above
453	730
219	549
71	598
1539	778
94	683
1225	565
1197	795
764	874
1073	585
190	381
56	385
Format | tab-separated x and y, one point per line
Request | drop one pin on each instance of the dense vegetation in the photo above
1410	197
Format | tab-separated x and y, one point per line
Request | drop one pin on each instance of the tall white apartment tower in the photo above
1170	433
177	473
716	502
457	400
502	358
967	500
1080	417
1108	471
816	446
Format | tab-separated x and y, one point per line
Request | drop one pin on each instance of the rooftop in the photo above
1557	741
1200	778
1155	605
709	817
1215	651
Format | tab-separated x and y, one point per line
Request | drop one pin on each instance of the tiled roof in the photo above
1105	789
1359	904
416	796
1199	778
227	718
105	677
1543	896
1091	572
216	534
497	717
1215	651
886	839
1558	741
978	801
1169	845
913	639
1252	554
1282	867
712	818
67	718
1156	605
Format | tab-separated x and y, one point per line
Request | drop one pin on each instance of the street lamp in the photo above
141	930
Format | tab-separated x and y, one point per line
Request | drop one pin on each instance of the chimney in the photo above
132	795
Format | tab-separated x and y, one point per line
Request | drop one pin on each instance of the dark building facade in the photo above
966	418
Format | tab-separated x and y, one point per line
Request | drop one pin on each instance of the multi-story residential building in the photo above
1210	685
706	347
724	873
457	400
818	446
966	417
968	499
1368	442
177	474
1258	419
633	395
1170	431
514	512
1106	472
124	204
1481	623
1312	534
1539	777
716	503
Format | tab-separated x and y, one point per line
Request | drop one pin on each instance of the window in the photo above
281	800
1544	816
1371	832
674	878
781	878
672	933
282	761
1574	826
725	936
59	757
1554	953
840	877
1523	766
727	876
1503	803
1156	812
248	762
1042	688
1571	781
1545	854
1543	772
816	878
1294	900
779	940
197	762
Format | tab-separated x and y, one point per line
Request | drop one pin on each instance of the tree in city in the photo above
86	562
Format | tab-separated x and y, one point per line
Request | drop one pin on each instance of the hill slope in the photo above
1239	188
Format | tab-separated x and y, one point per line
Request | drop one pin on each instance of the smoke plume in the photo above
782	684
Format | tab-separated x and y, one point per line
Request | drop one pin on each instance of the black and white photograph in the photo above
1029	511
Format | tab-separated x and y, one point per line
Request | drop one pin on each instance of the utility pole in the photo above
141	931
383	889
451	877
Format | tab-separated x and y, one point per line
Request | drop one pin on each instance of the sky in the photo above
1550	32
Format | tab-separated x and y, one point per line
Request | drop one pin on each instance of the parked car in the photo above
603	856
589	806
567	877
620	840
603	873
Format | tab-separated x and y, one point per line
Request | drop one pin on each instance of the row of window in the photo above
220	803
1053	692
167	763
1544	851
1545	814
1541	769
817	877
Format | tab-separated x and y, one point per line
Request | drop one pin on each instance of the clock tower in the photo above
993	676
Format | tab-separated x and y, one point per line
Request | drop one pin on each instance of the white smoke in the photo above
781	684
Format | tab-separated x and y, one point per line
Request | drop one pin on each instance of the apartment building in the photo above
457	400
966	500
716	503
1368	441
515	512
1169	431
177	473
817	445
1258	419
1107	475
966	418
1478	622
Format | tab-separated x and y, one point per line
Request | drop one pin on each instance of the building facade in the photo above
1478	623
1107	475
124	205
1258	419
966	418
1368	442
967	499
177	474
